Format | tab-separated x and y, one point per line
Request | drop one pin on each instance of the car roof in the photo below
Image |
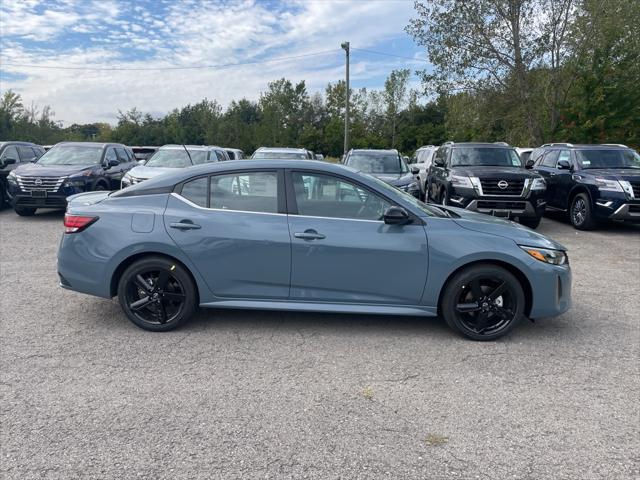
91	144
478	144
584	146
173	178
18	142
189	147
282	149
374	150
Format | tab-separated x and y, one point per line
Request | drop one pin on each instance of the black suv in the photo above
388	166
487	178
68	168
591	182
12	154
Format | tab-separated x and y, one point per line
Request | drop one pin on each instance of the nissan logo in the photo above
502	184
38	181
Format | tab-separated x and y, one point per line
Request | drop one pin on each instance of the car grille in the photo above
490	186
636	189
634	208
488	205
47	184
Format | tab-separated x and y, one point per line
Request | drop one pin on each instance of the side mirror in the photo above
415	170
396	216
530	164
564	165
9	161
438	162
113	163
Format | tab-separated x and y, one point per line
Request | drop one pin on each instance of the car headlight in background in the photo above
546	255
12	177
460	181
538	184
608	185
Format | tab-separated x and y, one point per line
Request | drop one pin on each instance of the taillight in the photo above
77	223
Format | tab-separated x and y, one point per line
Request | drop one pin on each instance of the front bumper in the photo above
41	199
551	290
530	206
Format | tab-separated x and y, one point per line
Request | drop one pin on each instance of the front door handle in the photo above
309	235
185	225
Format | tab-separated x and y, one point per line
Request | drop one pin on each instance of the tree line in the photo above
521	71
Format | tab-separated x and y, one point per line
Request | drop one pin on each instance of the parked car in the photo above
280	234
12	155
47	147
486	178
284	153
235	154
422	159
387	165
66	169
524	153
591	182
168	158
319	157
143	154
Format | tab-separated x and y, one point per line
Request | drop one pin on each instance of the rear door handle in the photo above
309	235
185	225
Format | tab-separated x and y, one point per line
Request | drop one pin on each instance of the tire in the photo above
3	196
444	198
25	211
531	222
470	307
581	214
157	294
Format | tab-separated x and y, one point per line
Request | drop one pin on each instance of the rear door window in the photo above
246	191
196	191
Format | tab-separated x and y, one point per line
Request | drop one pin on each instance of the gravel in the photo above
246	394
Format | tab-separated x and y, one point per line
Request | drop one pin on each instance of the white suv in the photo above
423	158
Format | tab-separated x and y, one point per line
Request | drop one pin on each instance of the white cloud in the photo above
185	34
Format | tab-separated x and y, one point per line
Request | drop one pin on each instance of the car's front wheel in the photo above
25	211
483	302
580	213
157	294
531	222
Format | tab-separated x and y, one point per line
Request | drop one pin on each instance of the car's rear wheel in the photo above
483	302
157	294
25	211
580	213
531	222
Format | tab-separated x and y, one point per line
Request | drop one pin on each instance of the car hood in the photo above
481	222
38	170
629	174
144	172
395	179
504	172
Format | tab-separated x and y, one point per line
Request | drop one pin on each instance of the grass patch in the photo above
435	439
367	392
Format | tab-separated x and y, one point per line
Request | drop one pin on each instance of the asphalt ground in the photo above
246	394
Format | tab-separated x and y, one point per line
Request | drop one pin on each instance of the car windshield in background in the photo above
176	158
377	163
608	158
484	157
280	155
72	155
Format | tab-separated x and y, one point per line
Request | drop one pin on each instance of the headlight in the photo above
459	181
76	180
554	257
608	185
538	184
12	177
408	187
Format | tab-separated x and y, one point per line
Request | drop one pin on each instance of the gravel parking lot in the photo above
243	394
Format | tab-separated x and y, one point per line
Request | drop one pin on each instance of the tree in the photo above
480	45
395	95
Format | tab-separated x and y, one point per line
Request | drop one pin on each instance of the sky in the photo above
157	55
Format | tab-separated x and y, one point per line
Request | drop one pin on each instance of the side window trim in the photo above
281	200
292	206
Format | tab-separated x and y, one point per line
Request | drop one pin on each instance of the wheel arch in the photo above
574	192
124	264
515	271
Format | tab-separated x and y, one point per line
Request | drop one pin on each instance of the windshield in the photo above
484	157
280	155
72	155
608	158
427	209
372	162
176	158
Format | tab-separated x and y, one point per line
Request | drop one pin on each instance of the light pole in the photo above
345	47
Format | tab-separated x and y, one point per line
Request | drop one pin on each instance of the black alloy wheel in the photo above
157	294
483	302
580	213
